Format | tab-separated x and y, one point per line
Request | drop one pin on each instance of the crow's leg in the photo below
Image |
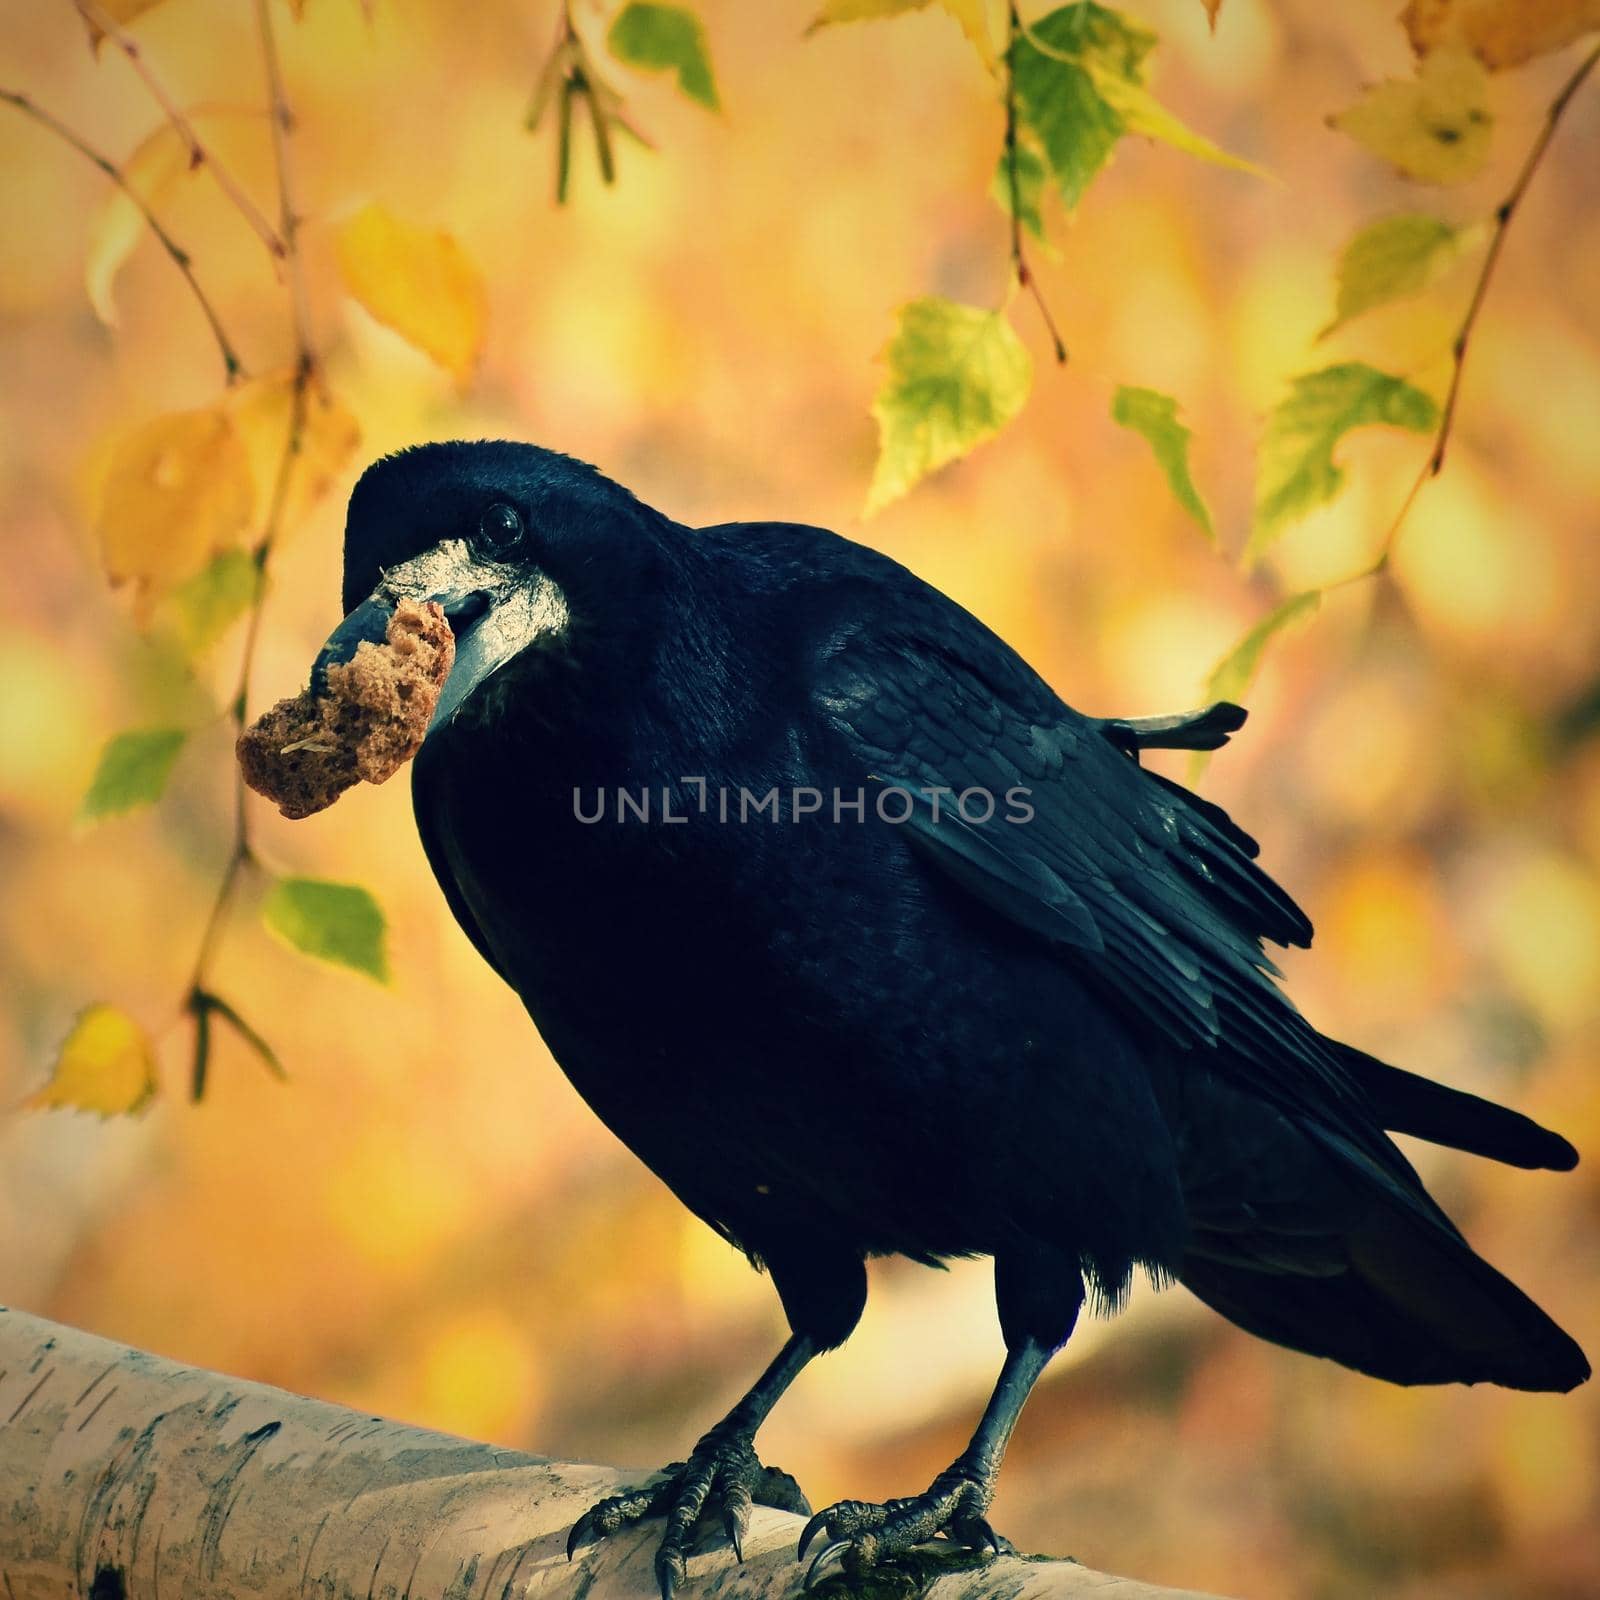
1040	1297
863	1534
823	1288
722	1472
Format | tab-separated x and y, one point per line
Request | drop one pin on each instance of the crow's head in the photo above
513	541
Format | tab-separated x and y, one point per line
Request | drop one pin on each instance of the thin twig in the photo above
239	858
232	366
201	1002
101	20
569	74
305	363
1504	212
552	74
1019	259
288	216
1458	349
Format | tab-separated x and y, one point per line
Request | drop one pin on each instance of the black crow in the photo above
866	943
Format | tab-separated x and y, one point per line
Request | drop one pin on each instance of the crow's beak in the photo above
369	624
494	611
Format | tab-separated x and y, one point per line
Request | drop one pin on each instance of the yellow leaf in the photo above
105	1065
417	281
152	169
178	489
155	165
329	435
973	16
118	11
1434	127
1500	33
1142	113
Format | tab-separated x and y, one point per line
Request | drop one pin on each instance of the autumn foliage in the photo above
1240	349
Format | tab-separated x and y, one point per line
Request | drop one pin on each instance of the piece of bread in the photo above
305	752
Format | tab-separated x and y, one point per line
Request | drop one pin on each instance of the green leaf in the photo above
133	771
957	375
209	603
1391	259
666	39
1079	76
1032	175
1154	416
1057	94
1296	471
1237	670
337	922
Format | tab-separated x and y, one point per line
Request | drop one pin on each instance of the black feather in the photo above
1055	1040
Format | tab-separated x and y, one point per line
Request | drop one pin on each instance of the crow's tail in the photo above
1411	1304
1406	1103
1329	1244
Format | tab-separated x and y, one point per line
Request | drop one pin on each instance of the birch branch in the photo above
127	1477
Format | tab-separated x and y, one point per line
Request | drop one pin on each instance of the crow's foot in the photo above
722	1478
861	1534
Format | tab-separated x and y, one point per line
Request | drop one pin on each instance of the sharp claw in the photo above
681	1492
826	1554
809	1532
987	1538
669	1572
736	1501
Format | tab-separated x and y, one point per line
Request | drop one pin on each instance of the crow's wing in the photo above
1151	890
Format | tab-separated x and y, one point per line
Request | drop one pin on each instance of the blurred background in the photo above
426	1221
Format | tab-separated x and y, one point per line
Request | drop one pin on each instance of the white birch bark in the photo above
127	1477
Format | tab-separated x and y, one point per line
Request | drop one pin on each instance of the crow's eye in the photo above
500	528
